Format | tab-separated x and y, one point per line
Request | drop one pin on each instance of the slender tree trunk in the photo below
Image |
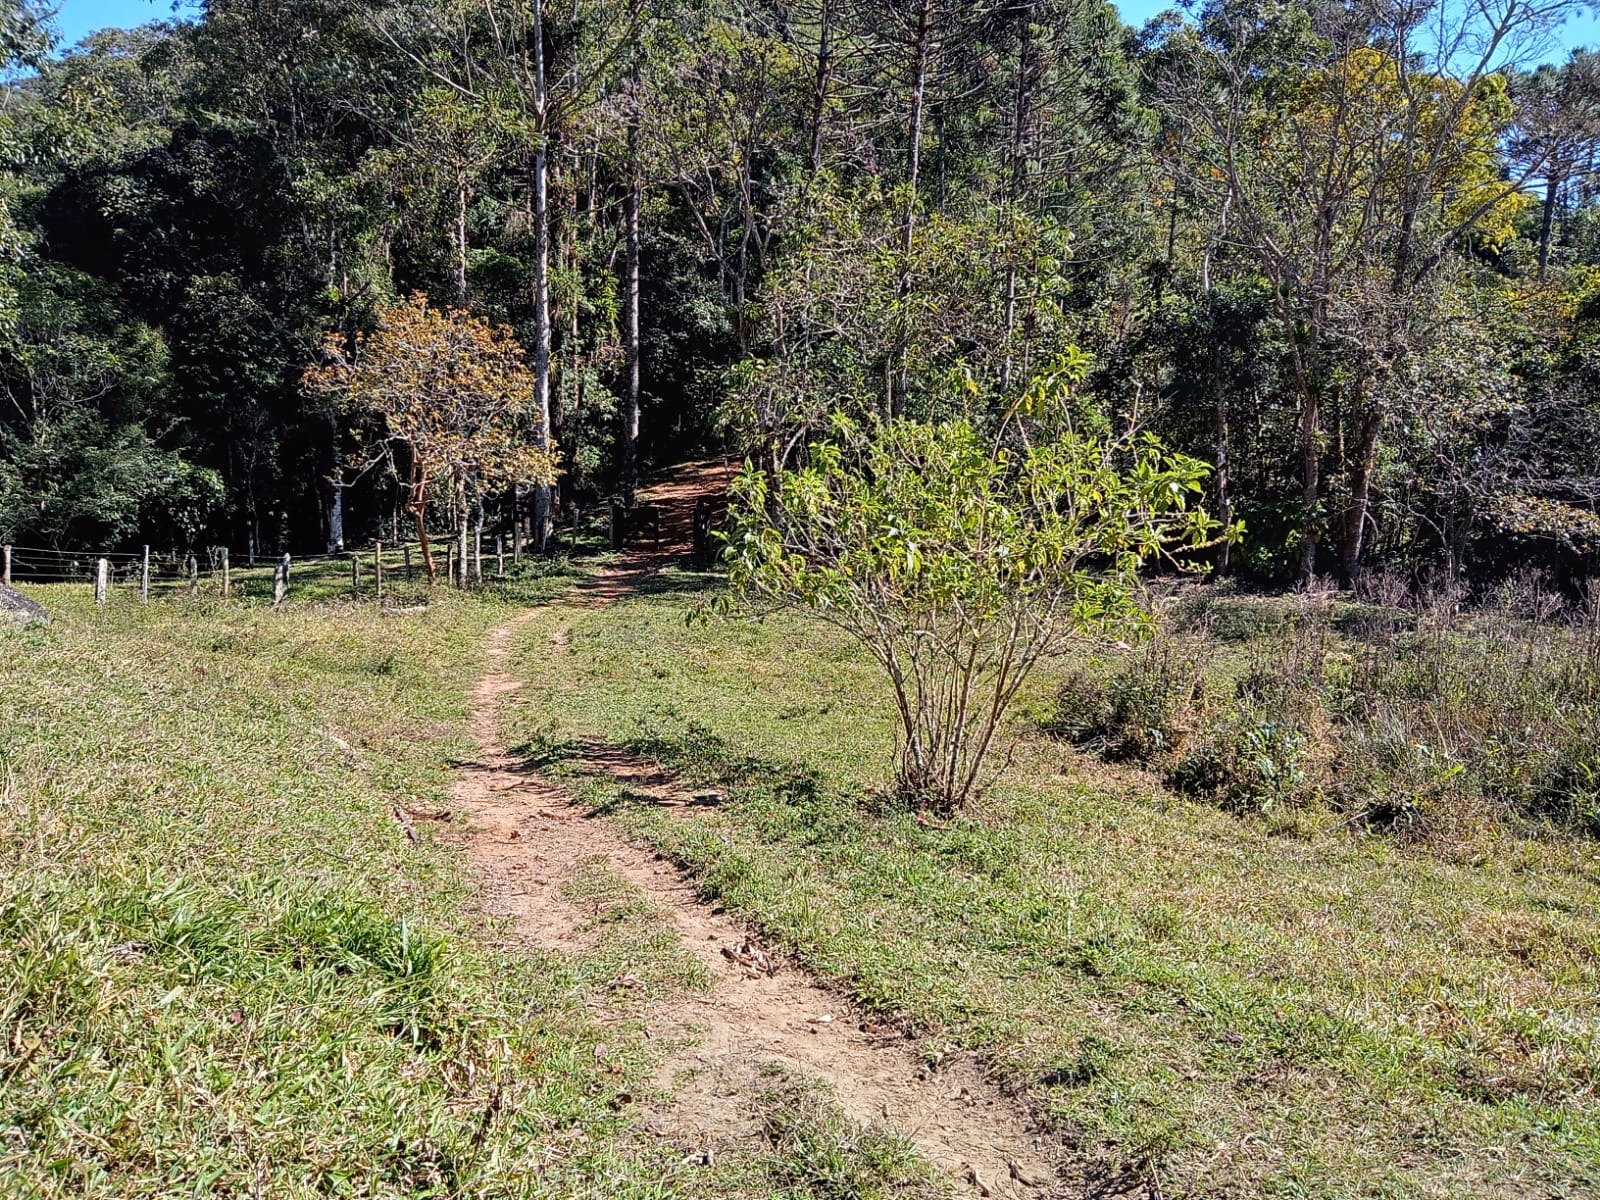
541	276
461	240
336	512
1364	462
477	535
1547	219
419	512
822	86
1220	474
1020	115
630	411
1304	363
921	67
461	535
1310	481
335	493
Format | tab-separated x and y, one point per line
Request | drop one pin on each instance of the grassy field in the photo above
1212	1004
225	970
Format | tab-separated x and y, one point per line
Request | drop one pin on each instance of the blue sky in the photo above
79	17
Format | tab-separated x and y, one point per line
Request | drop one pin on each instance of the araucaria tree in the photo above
961	559
455	397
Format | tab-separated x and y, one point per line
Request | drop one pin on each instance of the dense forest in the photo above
1345	251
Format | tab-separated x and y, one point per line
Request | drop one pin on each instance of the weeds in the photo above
1427	721
823	1155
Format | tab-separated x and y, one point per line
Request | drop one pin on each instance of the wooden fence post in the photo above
280	581
193	565
102	570
477	556
377	569
5	565
144	577
500	555
408	563
227	581
355	576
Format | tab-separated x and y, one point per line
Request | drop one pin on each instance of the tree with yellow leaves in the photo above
455	396
1351	151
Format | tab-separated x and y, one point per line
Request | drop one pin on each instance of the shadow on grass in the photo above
542	751
676	579
704	757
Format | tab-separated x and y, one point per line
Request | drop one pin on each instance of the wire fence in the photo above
368	572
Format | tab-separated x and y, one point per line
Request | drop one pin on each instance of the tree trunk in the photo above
336	512
1022	106
922	63
1353	531
461	240
541	275
1304	362
1224	490
1310	481
1547	219
419	511
462	576
336	495
820	89
630	402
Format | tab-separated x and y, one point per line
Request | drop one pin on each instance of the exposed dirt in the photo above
527	839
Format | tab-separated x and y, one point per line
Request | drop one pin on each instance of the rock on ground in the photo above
18	611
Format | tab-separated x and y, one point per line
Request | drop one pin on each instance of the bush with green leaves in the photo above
1256	759
1142	711
961	559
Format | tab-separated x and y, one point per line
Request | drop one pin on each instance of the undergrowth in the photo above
1424	720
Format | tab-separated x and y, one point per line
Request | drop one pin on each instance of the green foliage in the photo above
1412	722
1143	711
961	561
815	238
85	383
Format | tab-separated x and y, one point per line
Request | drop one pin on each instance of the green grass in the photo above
1226	1005
226	971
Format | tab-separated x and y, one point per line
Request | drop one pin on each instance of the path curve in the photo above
526	837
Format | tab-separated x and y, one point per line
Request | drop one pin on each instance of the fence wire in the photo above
170	574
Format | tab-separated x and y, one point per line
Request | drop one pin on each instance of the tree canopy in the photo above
1343	252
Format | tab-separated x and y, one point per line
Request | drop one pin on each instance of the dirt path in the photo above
527	839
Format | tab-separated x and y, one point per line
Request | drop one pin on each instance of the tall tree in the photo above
1355	149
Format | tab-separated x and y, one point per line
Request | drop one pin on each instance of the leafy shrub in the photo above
1256	759
1248	620
961	559
1142	711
